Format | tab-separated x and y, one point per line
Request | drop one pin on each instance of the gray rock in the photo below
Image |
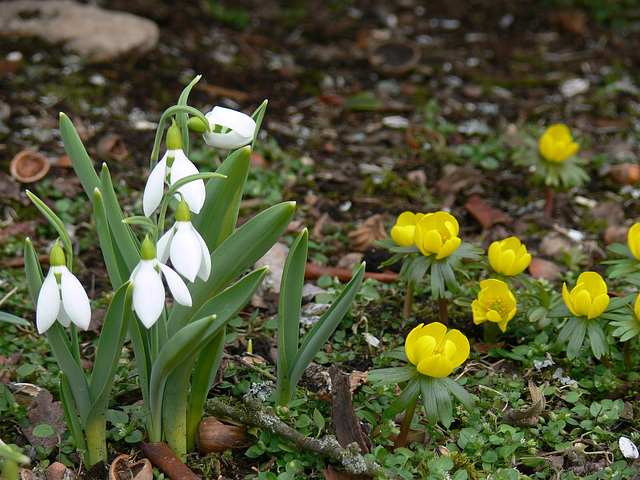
91	31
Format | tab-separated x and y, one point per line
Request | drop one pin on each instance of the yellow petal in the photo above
431	242
462	347
494	316
637	308
449	247
581	302
403	235
436	330
568	300
599	305
479	312
634	240
593	283
410	342
436	366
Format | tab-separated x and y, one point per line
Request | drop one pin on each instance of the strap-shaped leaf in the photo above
114	329
70	413
183	345
81	162
9	318
597	338
429	399
126	242
233	257
443	401
32	270
115	270
223	196
289	307
257	116
315	338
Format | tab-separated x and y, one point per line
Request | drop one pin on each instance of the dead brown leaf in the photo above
45	411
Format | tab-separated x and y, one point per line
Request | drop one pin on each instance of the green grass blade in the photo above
9	318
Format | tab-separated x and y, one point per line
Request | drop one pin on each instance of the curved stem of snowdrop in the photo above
174	189
173	110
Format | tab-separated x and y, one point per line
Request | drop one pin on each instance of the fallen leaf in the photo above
483	213
45	411
346	423
371	230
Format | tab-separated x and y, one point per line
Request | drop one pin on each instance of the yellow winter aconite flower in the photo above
434	351
637	307
556	144
437	233
509	256
589	297
634	240
404	229
495	303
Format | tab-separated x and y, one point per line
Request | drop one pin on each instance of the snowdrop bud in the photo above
196	125
183	214
147	249
174	137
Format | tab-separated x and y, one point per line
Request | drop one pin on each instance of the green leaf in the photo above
577	333
55	222
233	257
182	346
9	318
597	338
223	196
388	376
81	162
429	399
289	306
408	397
318	419
114	329
182	117
460	393
315	338
115	269
443	400
43	430
257	116
125	241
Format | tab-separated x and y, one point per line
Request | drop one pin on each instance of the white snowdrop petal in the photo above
193	192
162	247
75	301
242	128
178	288
186	253
205	264
148	294
48	304
628	448
154	189
371	340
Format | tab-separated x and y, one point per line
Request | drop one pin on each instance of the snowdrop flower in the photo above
185	246
148	290
173	166
62	296
229	128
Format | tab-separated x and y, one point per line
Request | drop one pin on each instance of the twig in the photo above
255	415
251	366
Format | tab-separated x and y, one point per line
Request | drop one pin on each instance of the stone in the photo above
540	268
99	34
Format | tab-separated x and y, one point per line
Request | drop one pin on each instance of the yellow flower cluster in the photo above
495	303
433	233
556	144
589	297
435	351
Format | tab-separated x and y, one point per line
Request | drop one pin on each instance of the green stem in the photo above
408	302
491	332
606	362
160	131
627	354
548	201
444	314
401	440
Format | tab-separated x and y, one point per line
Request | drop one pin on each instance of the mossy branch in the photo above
255	415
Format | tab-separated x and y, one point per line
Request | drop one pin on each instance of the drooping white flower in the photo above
229	128
148	289
185	246
62	296
173	166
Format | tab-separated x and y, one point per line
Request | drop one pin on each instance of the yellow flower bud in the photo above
434	351
589	297
404	229
495	303
509	256
437	233
556	144
634	240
